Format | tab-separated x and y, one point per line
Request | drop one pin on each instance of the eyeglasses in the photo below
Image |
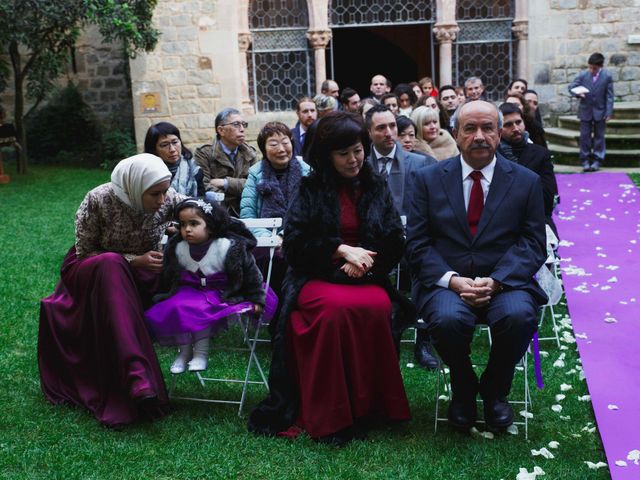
167	145
236	125
275	144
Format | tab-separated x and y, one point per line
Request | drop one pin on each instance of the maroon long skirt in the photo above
345	360
94	350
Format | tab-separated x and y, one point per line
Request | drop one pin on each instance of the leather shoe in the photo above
595	166
498	413
425	356
586	167
462	414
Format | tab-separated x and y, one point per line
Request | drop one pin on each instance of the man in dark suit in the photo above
595	109
397	166
515	146
389	159
475	239
307	114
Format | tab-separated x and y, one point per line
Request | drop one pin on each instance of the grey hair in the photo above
223	116
456	115
471	80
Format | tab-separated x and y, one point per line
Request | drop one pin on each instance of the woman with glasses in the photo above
270	187
163	140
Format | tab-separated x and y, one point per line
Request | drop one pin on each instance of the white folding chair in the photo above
521	407
549	280
250	330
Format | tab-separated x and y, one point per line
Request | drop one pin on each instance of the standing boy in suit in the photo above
475	239
596	107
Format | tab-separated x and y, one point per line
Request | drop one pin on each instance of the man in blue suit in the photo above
307	114
397	166
475	239
595	109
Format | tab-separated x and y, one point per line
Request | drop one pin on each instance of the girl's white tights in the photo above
185	353
200	355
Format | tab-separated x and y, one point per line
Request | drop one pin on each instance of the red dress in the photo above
345	360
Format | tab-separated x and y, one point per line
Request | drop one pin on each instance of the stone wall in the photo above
100	70
562	35
180	75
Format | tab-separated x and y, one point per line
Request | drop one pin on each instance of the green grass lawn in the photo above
38	440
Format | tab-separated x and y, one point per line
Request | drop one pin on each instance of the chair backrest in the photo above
271	242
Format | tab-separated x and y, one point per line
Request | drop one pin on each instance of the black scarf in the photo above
512	151
276	190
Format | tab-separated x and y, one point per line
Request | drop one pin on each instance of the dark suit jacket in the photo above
538	159
598	102
297	145
403	167
510	242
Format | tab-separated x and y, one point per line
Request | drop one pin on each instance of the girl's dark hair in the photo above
403	88
217	220
270	129
335	131
403	123
162	129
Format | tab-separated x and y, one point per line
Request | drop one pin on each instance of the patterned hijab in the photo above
135	175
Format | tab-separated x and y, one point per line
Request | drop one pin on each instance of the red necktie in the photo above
476	202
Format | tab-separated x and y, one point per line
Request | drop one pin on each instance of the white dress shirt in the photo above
467	183
378	155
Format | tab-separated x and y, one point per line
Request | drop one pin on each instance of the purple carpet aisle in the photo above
599	224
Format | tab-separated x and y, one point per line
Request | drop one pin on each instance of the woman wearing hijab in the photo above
94	350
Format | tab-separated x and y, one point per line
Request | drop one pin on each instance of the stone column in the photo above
319	39
244	41
521	32
446	34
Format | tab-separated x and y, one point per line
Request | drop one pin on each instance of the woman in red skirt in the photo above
334	369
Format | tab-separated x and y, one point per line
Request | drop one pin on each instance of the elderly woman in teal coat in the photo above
270	188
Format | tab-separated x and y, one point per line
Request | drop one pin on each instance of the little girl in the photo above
212	274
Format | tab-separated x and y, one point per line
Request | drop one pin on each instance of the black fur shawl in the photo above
311	236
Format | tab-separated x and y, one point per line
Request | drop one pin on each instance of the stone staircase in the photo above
622	137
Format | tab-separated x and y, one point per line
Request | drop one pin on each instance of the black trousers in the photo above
512	319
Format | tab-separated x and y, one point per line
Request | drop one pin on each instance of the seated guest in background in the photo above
334	368
531	97
307	114
427	122
474	89
416	89
517	86
475	239
366	104
427	101
225	162
270	189
427	86
514	146
94	350
388	158
330	88
350	100
407	137
406	98
163	139
325	104
533	127
391	101
448	106
378	86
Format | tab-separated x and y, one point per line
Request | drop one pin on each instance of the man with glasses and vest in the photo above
226	162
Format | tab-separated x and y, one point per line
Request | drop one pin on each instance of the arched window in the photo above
279	60
484	45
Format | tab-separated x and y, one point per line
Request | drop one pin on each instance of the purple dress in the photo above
198	310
